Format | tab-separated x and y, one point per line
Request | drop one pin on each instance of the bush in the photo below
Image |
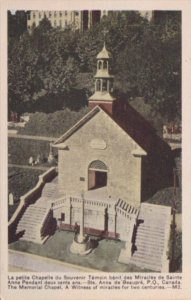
53	124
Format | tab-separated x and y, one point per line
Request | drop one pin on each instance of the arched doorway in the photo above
97	175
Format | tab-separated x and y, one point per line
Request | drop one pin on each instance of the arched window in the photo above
98	85
105	64
99	64
98	165
104	86
97	175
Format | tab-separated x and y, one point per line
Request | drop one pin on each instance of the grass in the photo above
20	182
103	258
20	150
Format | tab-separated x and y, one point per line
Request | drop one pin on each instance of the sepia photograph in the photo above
94	139
94	150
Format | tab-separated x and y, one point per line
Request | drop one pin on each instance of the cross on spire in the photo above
105	31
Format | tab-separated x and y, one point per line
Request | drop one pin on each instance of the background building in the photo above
81	20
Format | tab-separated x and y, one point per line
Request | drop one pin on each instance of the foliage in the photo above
17	23
43	67
166	196
53	124
147	62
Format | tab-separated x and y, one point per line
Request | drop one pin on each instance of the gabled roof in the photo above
78	125
132	123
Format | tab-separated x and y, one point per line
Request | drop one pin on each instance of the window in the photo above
62	217
60	23
105	64
66	13
104	86
55	13
55	23
66	23
50	14
60	14
40	16
99	64
34	15
98	85
76	13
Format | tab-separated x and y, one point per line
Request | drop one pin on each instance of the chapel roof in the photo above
132	123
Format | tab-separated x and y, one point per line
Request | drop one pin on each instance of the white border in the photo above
185	6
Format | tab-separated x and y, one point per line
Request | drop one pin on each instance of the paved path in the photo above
21	261
29	167
32	137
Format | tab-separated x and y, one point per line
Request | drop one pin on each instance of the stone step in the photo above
148	247
150	243
147	258
152	254
32	217
155	224
147	265
148	236
37	209
156	229
149	230
29	227
30	221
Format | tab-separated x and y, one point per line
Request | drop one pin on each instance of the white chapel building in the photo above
114	160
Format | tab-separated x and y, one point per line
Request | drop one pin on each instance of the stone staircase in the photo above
38	215
150	239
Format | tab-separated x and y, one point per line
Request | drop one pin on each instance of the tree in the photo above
43	67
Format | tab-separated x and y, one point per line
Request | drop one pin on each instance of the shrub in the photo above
53	124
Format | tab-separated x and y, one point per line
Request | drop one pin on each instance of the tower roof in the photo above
104	53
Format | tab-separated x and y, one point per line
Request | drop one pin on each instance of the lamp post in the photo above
81	233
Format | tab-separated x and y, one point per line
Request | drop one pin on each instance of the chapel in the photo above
112	148
109	164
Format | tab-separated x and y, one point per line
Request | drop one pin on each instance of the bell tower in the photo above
103	95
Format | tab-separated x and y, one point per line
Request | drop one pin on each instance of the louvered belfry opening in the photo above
97	175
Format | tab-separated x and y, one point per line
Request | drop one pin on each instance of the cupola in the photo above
103	95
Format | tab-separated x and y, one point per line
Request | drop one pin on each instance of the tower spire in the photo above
105	31
103	94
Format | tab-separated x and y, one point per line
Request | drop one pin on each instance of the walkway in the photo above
29	167
32	137
29	262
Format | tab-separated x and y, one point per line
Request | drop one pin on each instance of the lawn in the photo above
20	150
103	258
20	181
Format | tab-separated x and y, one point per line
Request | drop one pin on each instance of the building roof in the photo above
132	123
104	54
